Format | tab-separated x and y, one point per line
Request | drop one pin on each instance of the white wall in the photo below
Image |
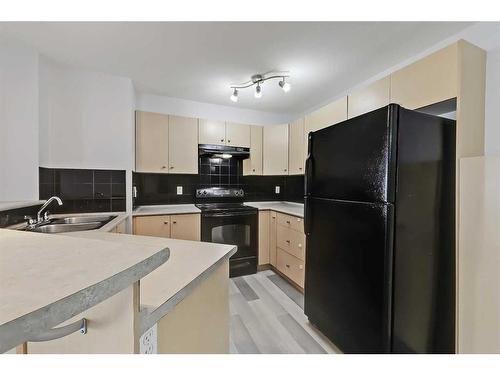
189	108
18	122
86	119
492	111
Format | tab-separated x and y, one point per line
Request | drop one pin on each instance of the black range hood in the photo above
221	151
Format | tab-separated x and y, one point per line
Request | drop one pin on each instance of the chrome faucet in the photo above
39	217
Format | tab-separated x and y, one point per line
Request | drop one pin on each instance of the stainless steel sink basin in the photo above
61	228
82	219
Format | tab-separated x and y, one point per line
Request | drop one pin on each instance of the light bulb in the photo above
234	97
285	85
258	92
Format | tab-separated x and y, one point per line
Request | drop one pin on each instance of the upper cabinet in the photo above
275	150
166	144
237	135
253	165
212	132
330	114
183	145
151	140
369	98
427	81
296	147
222	133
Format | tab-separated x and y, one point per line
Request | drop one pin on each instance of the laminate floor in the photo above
267	317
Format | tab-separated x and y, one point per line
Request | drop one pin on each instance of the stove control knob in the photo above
242	192
204	192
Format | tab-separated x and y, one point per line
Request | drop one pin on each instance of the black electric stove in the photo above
225	219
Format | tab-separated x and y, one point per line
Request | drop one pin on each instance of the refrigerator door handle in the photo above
307	183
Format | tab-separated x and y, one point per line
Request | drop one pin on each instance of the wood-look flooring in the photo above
267	317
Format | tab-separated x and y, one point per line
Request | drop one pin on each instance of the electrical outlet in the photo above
149	341
179	190
277	189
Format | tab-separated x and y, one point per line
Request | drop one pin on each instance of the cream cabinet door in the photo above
369	98
212	132
275	150
253	165
264	237
427	81
296	145
151	142
183	145
330	114
237	135
273	227
156	226
186	227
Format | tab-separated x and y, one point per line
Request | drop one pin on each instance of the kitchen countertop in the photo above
6	205
166	209
47	279
190	263
289	208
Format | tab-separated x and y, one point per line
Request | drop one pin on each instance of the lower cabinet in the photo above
180	227
283	245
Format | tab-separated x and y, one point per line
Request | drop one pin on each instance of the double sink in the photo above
69	224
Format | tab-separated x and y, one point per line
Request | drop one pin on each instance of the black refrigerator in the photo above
380	232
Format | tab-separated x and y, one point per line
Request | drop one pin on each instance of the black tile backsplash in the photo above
16	215
84	190
162	188
220	172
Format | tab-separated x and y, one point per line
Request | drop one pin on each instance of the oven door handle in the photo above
229	214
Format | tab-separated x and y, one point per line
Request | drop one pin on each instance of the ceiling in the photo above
199	60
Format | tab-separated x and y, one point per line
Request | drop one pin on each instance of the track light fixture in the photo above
234	97
258	79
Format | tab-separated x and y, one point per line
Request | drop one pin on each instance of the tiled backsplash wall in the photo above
84	190
162	188
220	172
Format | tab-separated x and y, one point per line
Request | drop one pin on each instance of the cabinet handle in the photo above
253	170
287	265
228	141
174	222
171	167
222	140
165	222
163	167
287	241
300	168
288	221
284	170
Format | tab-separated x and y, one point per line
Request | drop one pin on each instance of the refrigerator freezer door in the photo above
351	160
348	273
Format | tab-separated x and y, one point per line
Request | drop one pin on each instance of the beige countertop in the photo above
289	208
41	273
189	263
166	209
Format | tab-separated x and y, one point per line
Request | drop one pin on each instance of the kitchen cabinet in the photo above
185	227
237	135
151	142
427	81
253	165
182	145
330	114
156	226
212	132
275	150
290	266
180	227
273	223
296	146
369	98
291	241
264	237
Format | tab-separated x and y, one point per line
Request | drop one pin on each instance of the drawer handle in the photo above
288	221
163	167
253	170
287	241
287	265
171	167
298	220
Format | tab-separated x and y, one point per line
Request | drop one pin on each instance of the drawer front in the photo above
291	267
291	241
292	222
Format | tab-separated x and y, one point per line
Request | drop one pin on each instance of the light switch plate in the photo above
277	189
179	190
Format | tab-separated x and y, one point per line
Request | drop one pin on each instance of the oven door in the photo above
232	228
